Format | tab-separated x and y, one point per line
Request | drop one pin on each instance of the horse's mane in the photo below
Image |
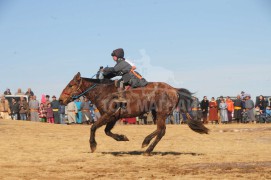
98	81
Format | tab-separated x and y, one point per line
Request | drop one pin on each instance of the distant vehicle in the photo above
16	97
224	97
266	98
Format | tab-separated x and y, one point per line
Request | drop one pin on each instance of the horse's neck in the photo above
99	91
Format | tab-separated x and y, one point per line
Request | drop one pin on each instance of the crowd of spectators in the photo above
239	109
79	111
224	110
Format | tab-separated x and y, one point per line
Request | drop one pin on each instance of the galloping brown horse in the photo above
139	101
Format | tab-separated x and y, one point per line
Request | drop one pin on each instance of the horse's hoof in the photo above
144	145
125	138
122	138
146	142
93	147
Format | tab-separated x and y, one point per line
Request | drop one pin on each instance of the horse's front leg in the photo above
101	121
117	137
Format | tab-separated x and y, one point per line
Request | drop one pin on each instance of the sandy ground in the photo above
31	150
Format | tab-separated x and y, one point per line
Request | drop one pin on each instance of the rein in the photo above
94	75
79	95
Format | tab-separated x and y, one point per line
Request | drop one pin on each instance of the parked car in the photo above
16	97
267	100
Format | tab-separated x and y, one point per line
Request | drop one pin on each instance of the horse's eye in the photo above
69	85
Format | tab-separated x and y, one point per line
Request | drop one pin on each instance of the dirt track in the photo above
46	151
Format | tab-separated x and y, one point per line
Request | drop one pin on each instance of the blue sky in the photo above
210	47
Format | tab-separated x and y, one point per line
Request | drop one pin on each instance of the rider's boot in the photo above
121	100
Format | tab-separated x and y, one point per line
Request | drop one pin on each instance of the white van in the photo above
16	97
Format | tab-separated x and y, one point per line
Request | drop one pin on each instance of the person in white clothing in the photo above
71	112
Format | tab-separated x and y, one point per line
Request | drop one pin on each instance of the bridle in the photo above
79	90
79	86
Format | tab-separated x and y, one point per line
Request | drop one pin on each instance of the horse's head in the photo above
71	89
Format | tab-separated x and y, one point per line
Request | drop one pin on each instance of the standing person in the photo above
258	113
29	114
55	106
47	100
195	110
19	92
218	107
204	107
230	108
176	115
79	112
42	113
86	116
7	92
249	105
99	74
4	108
34	108
24	108
14	108
29	93
61	111
71	112
238	109
223	112
243	98
267	117
261	103
49	114
43	99
213	115
22	113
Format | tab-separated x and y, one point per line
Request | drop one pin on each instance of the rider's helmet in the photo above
119	53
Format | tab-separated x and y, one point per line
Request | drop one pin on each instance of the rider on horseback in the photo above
126	70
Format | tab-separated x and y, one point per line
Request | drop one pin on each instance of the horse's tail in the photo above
184	104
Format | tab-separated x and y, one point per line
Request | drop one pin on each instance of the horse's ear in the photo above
77	76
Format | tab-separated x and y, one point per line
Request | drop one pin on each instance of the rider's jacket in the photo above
129	76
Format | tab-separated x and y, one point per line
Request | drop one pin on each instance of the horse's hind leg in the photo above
148	139
161	130
117	137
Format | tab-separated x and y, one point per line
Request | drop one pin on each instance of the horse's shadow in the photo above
137	153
